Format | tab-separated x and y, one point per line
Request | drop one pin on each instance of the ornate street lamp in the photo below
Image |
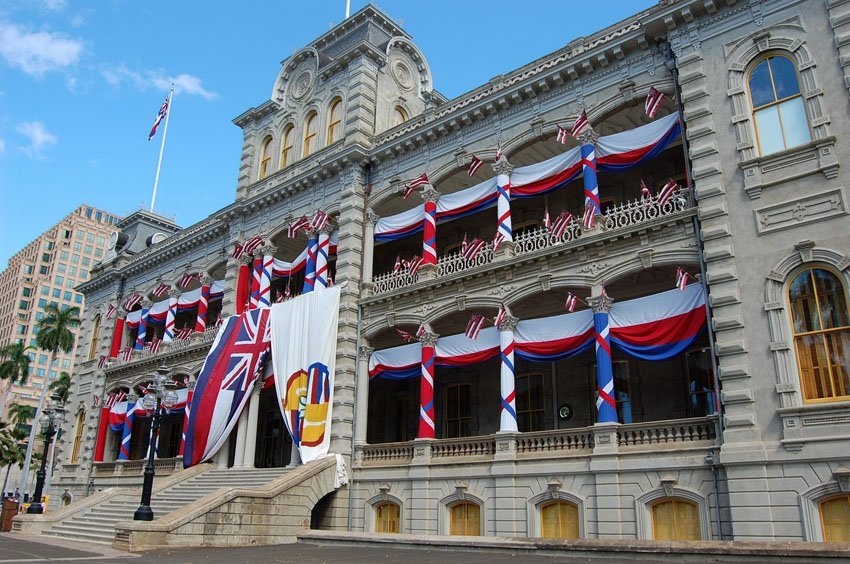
160	394
52	416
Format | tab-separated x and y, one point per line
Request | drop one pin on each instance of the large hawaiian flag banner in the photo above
223	388
304	337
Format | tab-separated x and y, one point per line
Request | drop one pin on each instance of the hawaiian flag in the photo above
681	278
421	331
397	266
95	401
472	249
319	220
114	398
559	227
187	278
225	383
163	111
475	325
127	354
563	136
501	315
161	290
183	334
653	101
155	344
411	187
101	362
238	251
413	264
133	301
406	335
580	125
296	226
474	165
589	218
110	311
252	244
645	194
667	191
570	304
547	221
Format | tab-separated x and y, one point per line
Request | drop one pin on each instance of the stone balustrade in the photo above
678	432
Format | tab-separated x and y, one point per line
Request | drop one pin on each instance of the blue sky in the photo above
81	82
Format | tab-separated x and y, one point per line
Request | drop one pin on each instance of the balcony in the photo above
194	342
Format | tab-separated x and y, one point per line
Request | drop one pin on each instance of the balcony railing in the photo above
194	339
668	433
620	218
545	442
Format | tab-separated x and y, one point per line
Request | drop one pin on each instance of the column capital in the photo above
600	304
429	194
365	352
175	292
327	229
311	233
372	217
207	280
429	339
246	259
502	166
509	323
146	303
190	385
588	137
267	250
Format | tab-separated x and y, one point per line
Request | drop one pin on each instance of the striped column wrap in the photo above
243	285
508	418
117	338
591	183
322	250
203	303
256	269
186	411
102	430
310	268
429	233
503	206
143	329
126	435
265	290
606	405
426	391
168	336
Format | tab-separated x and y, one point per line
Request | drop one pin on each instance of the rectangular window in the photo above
28	269
66	363
101	241
54	304
60	267
88	213
48	245
78	298
66	234
622	391
72	271
79	234
45	257
98	216
75	258
90	237
67	296
39	315
70	283
86	261
22	329
42	303
57	292
42	359
98	253
88	249
63	255
83	273
24	304
78	246
40	372
458	410
703	400
44	270
26	292
60	279
530	408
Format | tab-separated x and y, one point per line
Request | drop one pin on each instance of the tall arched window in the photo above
286	144
465	519
335	121
95	336
778	111
835	518
310	134
399	116
675	519
821	325
559	520
266	157
78	436
387	517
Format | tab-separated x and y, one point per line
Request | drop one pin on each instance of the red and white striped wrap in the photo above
429	233
168	336
203	303
426	393
503	209
256	269
264	297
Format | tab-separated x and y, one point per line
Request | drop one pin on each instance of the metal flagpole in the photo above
162	146
347	8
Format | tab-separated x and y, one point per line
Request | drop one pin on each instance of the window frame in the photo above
78	436
464	503
286	150
378	520
674	500
541	410
265	157
399	111
310	139
765	58
820	504
333	124
559	502
470	417
95	337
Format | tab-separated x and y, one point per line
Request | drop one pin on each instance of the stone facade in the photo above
747	224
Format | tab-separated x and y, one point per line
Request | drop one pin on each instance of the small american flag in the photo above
161	290
110	311
580	125
163	111
296	226
653	101
187	278
681	278
570	304
319	220
183	334
95	401
501	315
101	362
474	327
559	227
238	251
498	239
127	354
547	221
645	194
397	266
563	136
252	244
406	336
667	191
154	345
589	218
421	331
133	301
474	165
472	249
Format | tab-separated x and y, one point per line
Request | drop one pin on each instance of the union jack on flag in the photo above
101	362
645	194
296	226
319	220
187	278
589	218
681	278
559	227
163	111
110	311
570	304
563	136
667	191
133	301
472	249
580	125
501	315
252	244
238	251
161	290
653	101
127	354
183	334
475	325
474	165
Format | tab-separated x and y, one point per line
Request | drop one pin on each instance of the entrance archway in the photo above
274	445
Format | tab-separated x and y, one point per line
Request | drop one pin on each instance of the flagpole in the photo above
347	8
162	146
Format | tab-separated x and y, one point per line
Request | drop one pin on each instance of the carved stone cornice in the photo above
207	280
372	217
509	323
429	339
502	166
600	304
365	352
588	137
429	194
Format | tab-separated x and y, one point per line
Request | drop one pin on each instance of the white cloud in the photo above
2	146
38	136
37	52
55	5
157	79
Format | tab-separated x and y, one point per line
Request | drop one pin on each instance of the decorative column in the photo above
426	386
203	303
253	418
102	432
503	169
173	296
256	274
127	429
592	205
429	234
369	250
117	338
241	437
508	418
266	267
243	284
186	413
310	268
606	405
143	326
322	250
361	400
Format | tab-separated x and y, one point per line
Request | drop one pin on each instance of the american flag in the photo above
127	354
406	336
421	331
653	101
681	278
667	191
161	290
563	136
580	125
474	165
155	344
497	240
252	244
238	251
559	227
570	304
319	220
472	249
163	111
475	325
101	362
110	311
645	194
133	301
413	264
397	266
547	221
183	334
187	278
501	315
95	401
296	226
589	218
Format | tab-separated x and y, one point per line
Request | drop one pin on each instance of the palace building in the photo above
664	345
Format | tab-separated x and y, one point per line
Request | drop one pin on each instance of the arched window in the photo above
265	158
465	519
287	142
387	517
778	111
821	326
399	116
78	436
335	121
835	518
310	134
559	520
675	519
95	336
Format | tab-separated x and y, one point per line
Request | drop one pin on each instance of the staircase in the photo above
97	524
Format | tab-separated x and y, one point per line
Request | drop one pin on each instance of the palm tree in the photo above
21	414
54	335
14	368
61	386
12	450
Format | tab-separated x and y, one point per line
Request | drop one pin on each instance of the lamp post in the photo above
52	416
160	394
